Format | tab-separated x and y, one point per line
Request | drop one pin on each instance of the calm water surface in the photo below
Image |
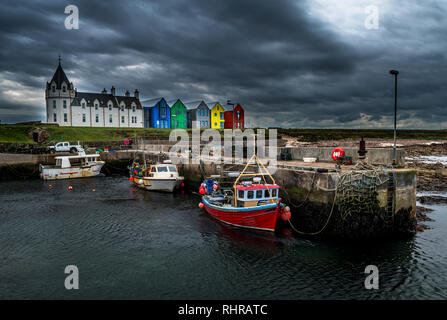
129	243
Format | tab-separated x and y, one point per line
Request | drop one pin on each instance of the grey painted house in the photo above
198	114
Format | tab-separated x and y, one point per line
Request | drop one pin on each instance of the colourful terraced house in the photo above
157	113
179	118
217	115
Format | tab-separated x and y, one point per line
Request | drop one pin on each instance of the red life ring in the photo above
337	153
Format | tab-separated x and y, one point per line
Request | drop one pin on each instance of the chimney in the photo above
104	91
127	93
137	94
112	91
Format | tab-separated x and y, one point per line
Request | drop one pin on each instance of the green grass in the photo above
19	134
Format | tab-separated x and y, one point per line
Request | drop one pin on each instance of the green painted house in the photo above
178	115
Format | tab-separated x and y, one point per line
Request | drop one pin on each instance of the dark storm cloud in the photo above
287	65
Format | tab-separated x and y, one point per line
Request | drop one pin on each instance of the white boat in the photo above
69	167
159	177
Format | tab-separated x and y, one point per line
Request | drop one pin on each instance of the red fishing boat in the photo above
249	203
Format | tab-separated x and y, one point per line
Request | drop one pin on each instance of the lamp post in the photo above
231	104
395	73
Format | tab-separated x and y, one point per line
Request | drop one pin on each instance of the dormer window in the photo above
133	108
110	107
96	106
83	105
54	104
64	89
53	89
122	108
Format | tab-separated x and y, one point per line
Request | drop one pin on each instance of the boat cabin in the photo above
82	160
256	195
163	170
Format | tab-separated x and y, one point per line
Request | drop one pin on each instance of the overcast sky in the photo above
289	63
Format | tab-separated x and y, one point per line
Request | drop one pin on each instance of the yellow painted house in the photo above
217	115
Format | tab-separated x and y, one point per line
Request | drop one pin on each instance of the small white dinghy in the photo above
69	167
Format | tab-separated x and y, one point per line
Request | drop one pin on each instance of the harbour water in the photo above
133	244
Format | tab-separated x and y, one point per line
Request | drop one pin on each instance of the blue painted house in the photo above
157	113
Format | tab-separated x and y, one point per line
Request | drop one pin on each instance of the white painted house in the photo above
68	107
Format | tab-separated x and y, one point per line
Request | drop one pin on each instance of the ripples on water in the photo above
130	243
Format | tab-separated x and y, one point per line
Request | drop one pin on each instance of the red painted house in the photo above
239	120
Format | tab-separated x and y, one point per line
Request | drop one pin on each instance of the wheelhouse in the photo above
251	196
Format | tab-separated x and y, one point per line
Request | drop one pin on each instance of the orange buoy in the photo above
201	205
70	188
285	214
215	187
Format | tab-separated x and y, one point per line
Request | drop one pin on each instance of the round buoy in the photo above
70	188
202	190
215	187
337	153
182	185
50	186
201	205
131	179
285	214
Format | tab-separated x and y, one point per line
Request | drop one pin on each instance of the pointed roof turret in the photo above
60	76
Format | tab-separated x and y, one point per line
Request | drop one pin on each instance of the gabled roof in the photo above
212	104
90	97
59	77
152	102
103	99
194	104
171	103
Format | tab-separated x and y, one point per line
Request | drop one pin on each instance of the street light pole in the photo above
395	73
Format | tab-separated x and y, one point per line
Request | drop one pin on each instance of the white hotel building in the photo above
68	107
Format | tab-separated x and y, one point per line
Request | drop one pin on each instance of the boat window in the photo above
274	192
154	169
250	194
241	194
259	194
162	169
172	169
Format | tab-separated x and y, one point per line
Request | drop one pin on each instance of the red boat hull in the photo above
261	218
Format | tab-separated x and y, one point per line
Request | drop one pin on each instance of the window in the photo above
122	119
83	117
162	112
64	89
215	114
238	115
96	106
83	105
110	118
122	108
162	169
241	194
250	194
133	108
274	193
65	104
53	89
54	117
172	169
54	104
65	117
221	116
259	194
215	124
221	125
110	107
97	117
